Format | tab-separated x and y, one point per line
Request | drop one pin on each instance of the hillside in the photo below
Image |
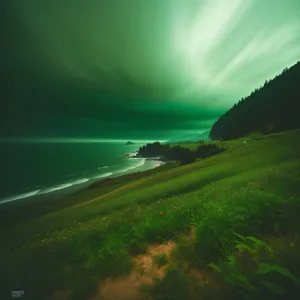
220	228
190	138
272	108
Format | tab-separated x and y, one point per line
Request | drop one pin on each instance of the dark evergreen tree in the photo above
271	108
177	153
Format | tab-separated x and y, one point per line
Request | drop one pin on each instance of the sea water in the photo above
31	169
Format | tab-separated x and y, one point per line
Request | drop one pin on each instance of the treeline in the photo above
177	153
271	108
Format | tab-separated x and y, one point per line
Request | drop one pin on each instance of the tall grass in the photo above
249	191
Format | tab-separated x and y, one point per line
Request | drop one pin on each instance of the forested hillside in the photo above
271	108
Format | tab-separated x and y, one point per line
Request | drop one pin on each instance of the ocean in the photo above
32	169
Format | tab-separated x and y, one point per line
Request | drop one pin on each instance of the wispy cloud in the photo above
258	39
111	68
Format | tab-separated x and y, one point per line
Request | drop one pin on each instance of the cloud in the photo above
226	40
114	67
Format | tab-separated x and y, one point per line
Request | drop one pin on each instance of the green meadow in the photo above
233	220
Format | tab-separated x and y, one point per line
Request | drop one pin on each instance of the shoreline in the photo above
17	212
62	193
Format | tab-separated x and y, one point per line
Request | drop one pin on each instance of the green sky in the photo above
138	68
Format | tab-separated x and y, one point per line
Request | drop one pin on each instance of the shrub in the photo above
174	285
160	259
247	273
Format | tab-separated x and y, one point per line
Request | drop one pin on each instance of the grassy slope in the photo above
16	212
241	190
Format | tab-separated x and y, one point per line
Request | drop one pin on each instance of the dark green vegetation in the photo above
160	259
272	108
234	217
178	153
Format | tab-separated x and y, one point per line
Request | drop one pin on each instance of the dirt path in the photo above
127	288
144	273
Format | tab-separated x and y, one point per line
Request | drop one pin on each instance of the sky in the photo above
137	69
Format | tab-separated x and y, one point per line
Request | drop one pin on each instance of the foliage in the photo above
160	259
247	274
174	285
271	108
248	189
177	153
207	150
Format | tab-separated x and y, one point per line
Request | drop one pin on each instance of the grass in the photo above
174	286
251	189
20	211
160	259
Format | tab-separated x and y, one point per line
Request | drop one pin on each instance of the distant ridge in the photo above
272	108
195	137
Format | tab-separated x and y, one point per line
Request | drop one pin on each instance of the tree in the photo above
272	108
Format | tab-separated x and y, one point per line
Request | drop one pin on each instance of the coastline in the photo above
70	190
16	212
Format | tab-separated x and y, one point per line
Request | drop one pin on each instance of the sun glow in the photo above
202	43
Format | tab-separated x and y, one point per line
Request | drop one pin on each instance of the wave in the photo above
63	186
132	154
104	167
20	196
141	163
102	175
43	191
72	174
56	188
160	163
80	181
